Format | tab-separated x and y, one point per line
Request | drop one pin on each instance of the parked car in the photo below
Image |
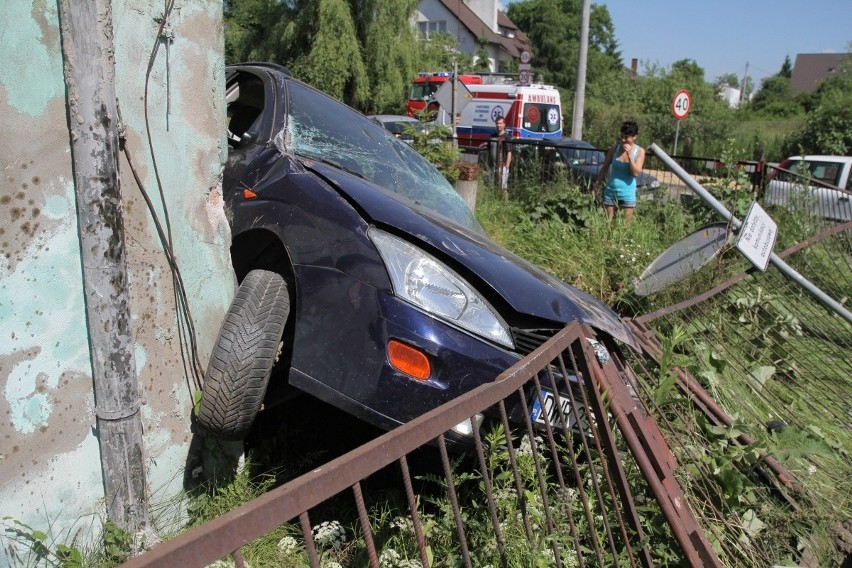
820	185
399	125
365	280
577	159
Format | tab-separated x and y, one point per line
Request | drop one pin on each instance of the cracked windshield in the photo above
326	131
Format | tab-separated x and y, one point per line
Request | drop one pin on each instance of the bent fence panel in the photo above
547	494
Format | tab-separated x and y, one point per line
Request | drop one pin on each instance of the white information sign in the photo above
757	236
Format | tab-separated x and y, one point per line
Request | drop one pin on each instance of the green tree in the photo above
391	52
775	98
727	80
786	68
553	27
483	61
828	127
441	52
332	61
255	30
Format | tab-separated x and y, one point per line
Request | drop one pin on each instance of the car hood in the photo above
525	287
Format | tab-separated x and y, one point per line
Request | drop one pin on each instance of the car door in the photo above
813	186
829	201
252	116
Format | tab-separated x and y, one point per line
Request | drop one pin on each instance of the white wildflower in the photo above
288	545
389	558
811	469
329	534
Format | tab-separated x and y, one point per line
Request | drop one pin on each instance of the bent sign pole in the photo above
785	268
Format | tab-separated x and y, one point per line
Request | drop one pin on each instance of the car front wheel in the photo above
246	350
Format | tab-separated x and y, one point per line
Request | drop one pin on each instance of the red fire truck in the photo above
424	86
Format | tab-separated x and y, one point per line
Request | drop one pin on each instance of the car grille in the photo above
528	340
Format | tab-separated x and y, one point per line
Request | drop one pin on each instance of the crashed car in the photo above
365	280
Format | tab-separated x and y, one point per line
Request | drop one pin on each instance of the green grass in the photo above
561	229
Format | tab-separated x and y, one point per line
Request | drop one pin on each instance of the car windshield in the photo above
422	91
320	128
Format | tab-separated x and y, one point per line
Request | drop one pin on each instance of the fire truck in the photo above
424	86
531	112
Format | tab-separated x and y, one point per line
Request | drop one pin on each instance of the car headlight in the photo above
421	279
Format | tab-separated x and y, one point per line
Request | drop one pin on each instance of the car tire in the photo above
246	350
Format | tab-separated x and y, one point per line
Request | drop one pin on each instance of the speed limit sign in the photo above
681	104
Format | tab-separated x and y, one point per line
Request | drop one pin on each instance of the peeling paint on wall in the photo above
49	460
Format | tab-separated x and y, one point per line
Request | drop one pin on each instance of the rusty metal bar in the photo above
656	461
308	536
365	525
412	509
454	500
516	474
615	467
489	496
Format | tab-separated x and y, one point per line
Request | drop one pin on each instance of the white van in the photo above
821	185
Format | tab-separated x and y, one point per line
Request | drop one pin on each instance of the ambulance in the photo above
531	112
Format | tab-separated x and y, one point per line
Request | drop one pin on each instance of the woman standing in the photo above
622	164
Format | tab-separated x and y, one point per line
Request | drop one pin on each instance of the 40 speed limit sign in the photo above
681	104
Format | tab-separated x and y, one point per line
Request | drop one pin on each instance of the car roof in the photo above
822	158
392	118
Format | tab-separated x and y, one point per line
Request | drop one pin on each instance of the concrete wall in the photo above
50	473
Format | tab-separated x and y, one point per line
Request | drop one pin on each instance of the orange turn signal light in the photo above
409	360
249	194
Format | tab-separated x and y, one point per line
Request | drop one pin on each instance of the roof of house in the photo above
811	69
479	29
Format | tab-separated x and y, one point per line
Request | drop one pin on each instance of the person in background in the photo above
504	153
623	163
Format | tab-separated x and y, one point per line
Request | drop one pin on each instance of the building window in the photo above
428	28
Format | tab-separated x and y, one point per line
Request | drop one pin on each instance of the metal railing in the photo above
559	494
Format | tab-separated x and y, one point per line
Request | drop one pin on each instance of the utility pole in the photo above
580	95
745	82
88	58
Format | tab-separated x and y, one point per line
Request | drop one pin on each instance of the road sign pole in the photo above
677	133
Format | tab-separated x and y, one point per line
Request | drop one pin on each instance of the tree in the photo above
786	68
391	52
363	52
828	128
483	61
727	80
554	31
775	98
332	62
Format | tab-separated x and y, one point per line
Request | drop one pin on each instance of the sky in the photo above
723	36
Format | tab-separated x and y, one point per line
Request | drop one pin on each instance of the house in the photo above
811	69
472	21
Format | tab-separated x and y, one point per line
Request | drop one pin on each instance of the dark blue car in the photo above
365	280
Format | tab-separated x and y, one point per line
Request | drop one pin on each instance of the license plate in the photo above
539	414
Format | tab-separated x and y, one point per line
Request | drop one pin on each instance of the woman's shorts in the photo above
620	198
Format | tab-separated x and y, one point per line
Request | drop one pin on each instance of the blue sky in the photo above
723	35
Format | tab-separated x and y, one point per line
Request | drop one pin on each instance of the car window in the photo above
246	100
540	117
827	172
324	129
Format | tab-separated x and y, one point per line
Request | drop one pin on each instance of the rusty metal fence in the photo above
562	493
670	455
